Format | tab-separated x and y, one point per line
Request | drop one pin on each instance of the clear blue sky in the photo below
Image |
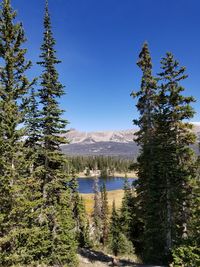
98	42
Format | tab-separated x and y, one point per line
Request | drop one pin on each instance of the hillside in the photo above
106	143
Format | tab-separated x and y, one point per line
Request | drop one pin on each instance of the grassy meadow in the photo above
115	195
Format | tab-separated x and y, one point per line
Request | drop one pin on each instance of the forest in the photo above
43	221
106	164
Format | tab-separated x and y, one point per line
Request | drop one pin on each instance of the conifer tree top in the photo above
144	61
51	89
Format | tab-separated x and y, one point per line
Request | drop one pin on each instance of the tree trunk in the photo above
169	220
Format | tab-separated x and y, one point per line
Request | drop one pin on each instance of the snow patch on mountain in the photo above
75	137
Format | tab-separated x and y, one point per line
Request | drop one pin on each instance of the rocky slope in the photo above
107	143
76	137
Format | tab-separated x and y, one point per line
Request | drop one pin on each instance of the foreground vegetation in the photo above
36	209
168	169
42	216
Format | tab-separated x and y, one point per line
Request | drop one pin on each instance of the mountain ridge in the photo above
118	143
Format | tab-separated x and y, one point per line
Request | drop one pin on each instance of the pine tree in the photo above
176	167
115	231
56	211
127	211
118	242
187	252
32	120
79	215
194	227
104	214
146	193
166	163
35	232
14	87
32	123
130	219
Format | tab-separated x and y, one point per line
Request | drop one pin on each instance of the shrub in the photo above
186	256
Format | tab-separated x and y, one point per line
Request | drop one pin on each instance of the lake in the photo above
112	183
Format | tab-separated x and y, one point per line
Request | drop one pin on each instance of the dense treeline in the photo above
113	164
111	230
159	216
36	207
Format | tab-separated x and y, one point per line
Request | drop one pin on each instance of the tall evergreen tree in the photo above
14	87
166	163
175	158
145	139
56	210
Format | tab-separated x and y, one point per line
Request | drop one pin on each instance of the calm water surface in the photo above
112	183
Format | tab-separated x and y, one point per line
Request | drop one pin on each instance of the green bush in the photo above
120	245
186	256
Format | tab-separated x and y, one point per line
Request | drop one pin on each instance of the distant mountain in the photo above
125	150
107	143
75	136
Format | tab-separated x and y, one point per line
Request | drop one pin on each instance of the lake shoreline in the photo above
112	183
116	174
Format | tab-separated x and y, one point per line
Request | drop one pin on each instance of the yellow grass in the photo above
127	174
115	195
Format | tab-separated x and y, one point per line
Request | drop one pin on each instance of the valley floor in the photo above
115	195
